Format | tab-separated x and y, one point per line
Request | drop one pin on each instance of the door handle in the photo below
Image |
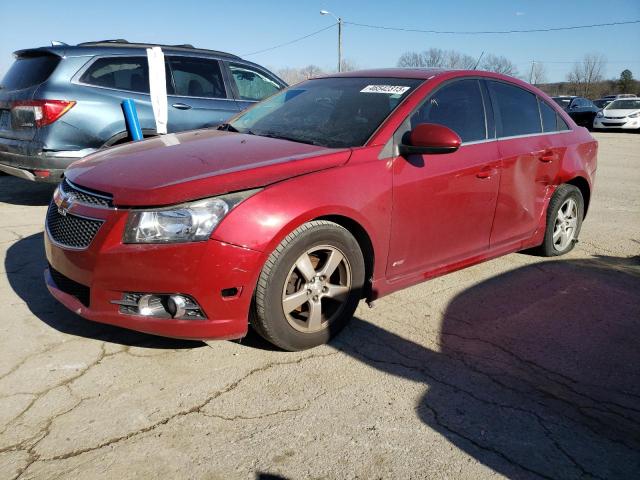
181	106
547	156
487	172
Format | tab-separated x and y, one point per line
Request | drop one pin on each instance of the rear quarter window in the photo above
29	70
121	73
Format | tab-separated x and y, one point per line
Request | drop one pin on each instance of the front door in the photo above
443	205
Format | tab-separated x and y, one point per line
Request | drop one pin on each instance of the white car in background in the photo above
621	113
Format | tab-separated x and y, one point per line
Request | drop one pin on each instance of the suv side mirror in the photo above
429	138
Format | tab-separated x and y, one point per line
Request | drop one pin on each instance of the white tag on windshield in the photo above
388	89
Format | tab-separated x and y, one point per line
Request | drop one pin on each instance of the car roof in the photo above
107	47
420	73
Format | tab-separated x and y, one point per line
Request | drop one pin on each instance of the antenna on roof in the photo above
475	67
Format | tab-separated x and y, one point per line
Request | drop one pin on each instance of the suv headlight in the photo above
634	115
189	222
600	114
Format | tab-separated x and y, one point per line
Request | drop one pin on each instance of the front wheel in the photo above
309	287
564	220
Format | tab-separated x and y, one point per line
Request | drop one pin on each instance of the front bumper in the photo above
615	124
202	270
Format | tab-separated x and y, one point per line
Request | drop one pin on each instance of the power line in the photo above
290	42
487	32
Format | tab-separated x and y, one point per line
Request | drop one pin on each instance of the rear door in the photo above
443	205
197	97
531	158
250	84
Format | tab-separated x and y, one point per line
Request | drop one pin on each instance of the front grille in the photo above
610	124
614	118
70	287
86	196
69	230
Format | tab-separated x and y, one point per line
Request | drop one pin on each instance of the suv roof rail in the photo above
121	42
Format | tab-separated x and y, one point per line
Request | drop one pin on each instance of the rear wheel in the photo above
309	287
564	220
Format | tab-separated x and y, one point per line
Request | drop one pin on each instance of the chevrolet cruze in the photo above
338	189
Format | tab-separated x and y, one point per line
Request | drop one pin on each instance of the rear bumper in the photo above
24	165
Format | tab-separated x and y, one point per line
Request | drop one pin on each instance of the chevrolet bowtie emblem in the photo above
65	203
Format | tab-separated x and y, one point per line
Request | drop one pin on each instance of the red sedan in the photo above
337	189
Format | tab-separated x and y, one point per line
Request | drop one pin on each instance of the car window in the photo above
561	124
197	77
458	106
516	108
122	73
252	84
332	112
29	70
548	115
562	101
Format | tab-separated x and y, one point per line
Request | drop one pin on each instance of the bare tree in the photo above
583	75
499	64
460	60
348	65
310	71
538	73
410	60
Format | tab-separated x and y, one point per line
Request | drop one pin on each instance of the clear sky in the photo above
245	26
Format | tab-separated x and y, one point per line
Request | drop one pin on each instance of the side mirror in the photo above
429	138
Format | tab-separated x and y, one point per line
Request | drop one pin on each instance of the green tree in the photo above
626	81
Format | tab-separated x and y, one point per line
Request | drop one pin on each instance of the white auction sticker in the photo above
388	89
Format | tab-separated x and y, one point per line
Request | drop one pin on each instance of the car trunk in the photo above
30	69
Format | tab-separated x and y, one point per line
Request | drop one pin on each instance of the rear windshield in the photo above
29	70
332	112
563	102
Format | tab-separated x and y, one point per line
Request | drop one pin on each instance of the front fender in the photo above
359	191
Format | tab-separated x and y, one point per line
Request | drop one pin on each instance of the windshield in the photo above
563	102
626	104
332	112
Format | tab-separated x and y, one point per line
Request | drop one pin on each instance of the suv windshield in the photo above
624	104
332	112
29	70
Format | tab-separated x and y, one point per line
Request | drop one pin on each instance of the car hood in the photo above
176	168
619	112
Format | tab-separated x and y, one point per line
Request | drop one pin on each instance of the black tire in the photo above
268	318
562	194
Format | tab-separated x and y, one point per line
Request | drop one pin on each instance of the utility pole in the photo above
339	44
533	62
339	20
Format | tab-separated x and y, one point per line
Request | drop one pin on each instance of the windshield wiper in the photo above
292	139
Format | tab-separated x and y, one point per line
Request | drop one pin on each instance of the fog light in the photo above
150	306
177	306
159	305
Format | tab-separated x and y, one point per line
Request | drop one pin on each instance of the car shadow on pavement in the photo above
25	263
16	191
535	373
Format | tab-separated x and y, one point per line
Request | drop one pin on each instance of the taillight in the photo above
38	113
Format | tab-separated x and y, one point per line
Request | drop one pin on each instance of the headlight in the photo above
634	115
190	222
600	114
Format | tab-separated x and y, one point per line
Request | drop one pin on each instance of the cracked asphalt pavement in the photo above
521	368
